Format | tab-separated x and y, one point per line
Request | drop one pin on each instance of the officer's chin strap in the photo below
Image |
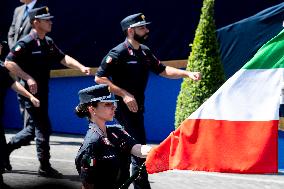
134	176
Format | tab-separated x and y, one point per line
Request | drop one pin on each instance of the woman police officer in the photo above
105	149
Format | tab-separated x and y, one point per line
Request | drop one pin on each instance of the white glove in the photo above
145	149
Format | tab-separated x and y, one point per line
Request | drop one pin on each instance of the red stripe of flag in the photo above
220	146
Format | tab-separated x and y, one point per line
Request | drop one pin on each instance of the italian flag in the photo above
236	129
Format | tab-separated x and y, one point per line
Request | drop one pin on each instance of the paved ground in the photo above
64	149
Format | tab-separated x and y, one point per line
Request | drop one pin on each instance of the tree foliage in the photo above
205	58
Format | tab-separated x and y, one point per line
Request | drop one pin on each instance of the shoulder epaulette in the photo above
115	126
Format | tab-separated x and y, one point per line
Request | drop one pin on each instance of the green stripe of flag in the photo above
270	55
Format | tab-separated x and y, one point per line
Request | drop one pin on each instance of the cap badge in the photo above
143	17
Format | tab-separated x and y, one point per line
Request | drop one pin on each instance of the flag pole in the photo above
134	176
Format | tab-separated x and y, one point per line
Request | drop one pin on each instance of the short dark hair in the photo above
125	32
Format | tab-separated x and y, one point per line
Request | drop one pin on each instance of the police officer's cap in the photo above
133	20
97	93
40	13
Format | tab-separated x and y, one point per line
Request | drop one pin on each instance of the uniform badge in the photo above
38	43
92	162
132	62
126	133
131	52
114	135
18	48
108	59
106	141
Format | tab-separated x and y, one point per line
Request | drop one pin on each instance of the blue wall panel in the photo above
160	103
281	150
63	99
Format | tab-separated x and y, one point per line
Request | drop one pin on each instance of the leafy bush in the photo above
204	58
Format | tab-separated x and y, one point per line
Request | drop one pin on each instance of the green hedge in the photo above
205	58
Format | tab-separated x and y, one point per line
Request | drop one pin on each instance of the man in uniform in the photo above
31	60
126	70
21	26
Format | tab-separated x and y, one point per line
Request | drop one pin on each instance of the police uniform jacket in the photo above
5	82
129	68
35	57
100	157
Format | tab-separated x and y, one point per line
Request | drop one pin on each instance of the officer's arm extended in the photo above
174	73
15	69
70	62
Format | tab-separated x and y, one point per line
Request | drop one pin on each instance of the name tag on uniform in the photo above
132	62
36	52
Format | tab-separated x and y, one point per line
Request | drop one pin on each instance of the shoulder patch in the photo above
18	48
108	59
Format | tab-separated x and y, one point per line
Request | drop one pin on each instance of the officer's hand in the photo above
130	101
86	70
35	101
145	149
32	85
194	75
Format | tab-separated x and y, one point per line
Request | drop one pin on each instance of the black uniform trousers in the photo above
37	125
3	144
133	123
3	147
